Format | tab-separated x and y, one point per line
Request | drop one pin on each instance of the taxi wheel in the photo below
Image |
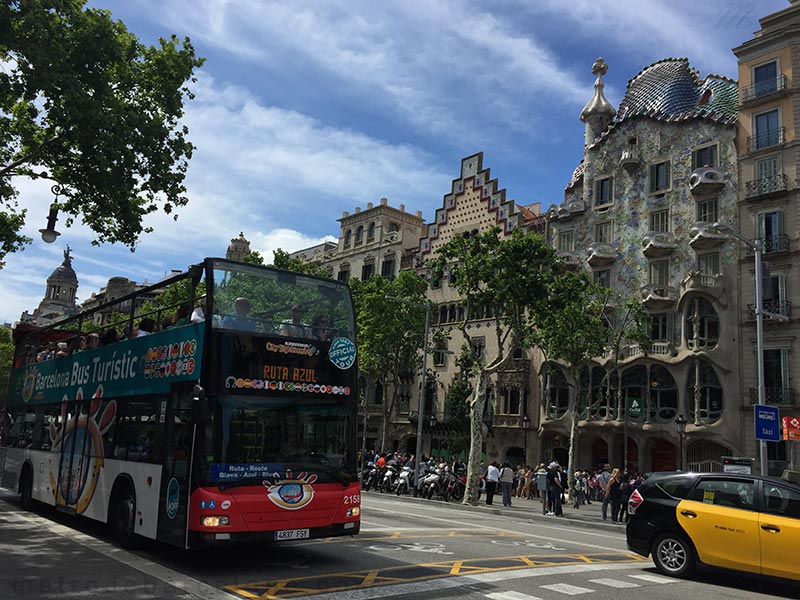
674	555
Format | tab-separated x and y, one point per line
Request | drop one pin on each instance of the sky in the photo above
305	109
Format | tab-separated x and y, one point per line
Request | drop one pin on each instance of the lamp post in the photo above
422	384
526	422
757	247
680	423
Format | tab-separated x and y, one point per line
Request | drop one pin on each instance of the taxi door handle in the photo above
771	528
689	514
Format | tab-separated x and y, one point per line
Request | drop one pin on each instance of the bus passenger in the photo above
295	327
241	320
319	328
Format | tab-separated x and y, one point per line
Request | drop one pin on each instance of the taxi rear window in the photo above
677	487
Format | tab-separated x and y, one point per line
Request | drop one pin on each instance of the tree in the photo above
6	359
580	323
390	333
282	260
504	277
86	105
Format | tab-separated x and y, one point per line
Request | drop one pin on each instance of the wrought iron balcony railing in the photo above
766	185
764	88
766	139
777	396
776	307
772	243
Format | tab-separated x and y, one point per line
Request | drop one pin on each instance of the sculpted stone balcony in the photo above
659	349
570	209
702	237
658	243
600	254
695	281
569	258
658	297
630	158
706	180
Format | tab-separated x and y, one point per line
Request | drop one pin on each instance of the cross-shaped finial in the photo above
600	67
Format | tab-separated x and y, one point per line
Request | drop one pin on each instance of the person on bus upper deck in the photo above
182	315
295	327
92	341
241	320
62	350
146	327
319	328
111	336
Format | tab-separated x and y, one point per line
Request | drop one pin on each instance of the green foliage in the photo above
6	362
167	302
456	401
282	260
85	104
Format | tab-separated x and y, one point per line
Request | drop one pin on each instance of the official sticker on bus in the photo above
173	498
290	493
342	353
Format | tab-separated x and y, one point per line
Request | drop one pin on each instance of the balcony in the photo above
630	158
658	297
706	180
774	310
600	254
660	349
570	209
776	185
766	139
569	258
695	281
774	396
703	238
658	243
757	92
772	244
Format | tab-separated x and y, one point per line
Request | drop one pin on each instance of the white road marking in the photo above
654	578
510	595
446	583
565	588
177	580
614	583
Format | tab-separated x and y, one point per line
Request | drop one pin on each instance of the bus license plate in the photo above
291	534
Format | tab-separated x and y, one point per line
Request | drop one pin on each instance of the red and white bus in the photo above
234	418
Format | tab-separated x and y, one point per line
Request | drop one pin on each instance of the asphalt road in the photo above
408	548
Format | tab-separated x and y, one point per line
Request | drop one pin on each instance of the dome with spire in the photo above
64	273
598	105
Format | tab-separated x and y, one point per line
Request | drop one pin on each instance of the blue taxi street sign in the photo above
768	427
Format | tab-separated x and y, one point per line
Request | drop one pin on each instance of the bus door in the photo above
176	414
74	459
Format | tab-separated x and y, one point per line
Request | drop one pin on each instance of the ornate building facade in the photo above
60	296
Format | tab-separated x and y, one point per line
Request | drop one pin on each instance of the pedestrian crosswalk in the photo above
597	585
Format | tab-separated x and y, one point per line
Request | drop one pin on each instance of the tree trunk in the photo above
476	409
573	437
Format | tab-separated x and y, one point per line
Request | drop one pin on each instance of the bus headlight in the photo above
214	521
354	511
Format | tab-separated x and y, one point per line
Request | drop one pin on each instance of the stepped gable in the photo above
474	178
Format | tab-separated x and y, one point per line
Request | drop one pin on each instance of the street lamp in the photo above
526	422
757	247
50	234
680	423
422	384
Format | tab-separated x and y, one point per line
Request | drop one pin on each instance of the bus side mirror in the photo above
200	408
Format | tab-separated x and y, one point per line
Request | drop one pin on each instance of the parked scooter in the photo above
405	481
389	479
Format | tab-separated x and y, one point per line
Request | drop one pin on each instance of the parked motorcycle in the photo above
405	481
389	479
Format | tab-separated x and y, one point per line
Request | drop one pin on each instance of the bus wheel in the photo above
26	489
122	516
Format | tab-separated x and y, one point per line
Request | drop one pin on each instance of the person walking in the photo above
578	488
541	486
506	483
554	489
492	477
602	482
614	494
626	490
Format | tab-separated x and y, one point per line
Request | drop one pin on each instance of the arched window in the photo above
393	227
557	393
598	403
371	232
348	237
443	314
702	325
453	313
704	397
634	386
663	406
360	234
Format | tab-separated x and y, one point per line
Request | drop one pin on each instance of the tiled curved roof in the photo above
577	176
670	90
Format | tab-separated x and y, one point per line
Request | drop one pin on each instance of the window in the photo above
440	354
367	271
451	277
776	375
660	326
557	391
377	396
603	192
770	230
704	157
703	385
767	130
733	493
436	281
767	175
702	325
371	232
387	268
602	232
478	346
765	79
775	293
659	221
509	401
393	227
603	278
360	234
707	211
566	241
344	275
443	313
659	177
659	273
348	235
782	501
708	264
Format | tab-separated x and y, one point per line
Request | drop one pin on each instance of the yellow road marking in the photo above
348	581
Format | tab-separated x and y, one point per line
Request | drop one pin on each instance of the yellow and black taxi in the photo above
743	522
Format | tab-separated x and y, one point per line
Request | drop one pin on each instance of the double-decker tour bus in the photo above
217	405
